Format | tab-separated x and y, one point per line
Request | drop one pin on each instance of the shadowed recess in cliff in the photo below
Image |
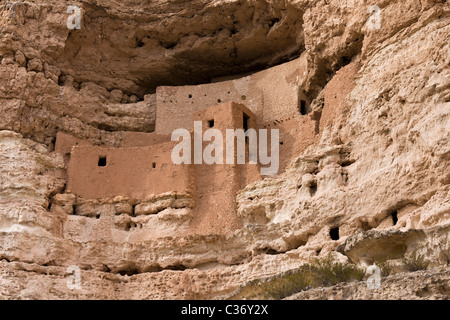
136	51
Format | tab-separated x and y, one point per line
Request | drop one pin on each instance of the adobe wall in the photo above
143	166
64	143
271	94
142	139
230	116
281	90
216	207
177	105
132	172
226	116
217	185
335	93
296	134
129	169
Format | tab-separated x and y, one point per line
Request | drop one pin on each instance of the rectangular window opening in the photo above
246	122
102	161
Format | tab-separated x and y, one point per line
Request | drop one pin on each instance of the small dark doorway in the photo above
211	123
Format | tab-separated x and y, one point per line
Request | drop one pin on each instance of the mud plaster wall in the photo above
133	172
142	139
64	143
271	94
335	93
217	185
296	134
231	116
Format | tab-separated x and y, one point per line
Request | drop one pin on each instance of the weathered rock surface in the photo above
382	97
432	285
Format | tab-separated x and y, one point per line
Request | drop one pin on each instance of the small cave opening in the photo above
313	188
334	233
61	79
347	163
176	267
365	226
102	161
131	225
346	60
154	165
52	145
302	108
269	251
394	217
211	123
130	271
105	268
273	22
140	44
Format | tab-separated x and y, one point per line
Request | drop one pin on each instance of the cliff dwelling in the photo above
140	175
224	149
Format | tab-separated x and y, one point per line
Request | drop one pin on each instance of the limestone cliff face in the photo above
376	174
